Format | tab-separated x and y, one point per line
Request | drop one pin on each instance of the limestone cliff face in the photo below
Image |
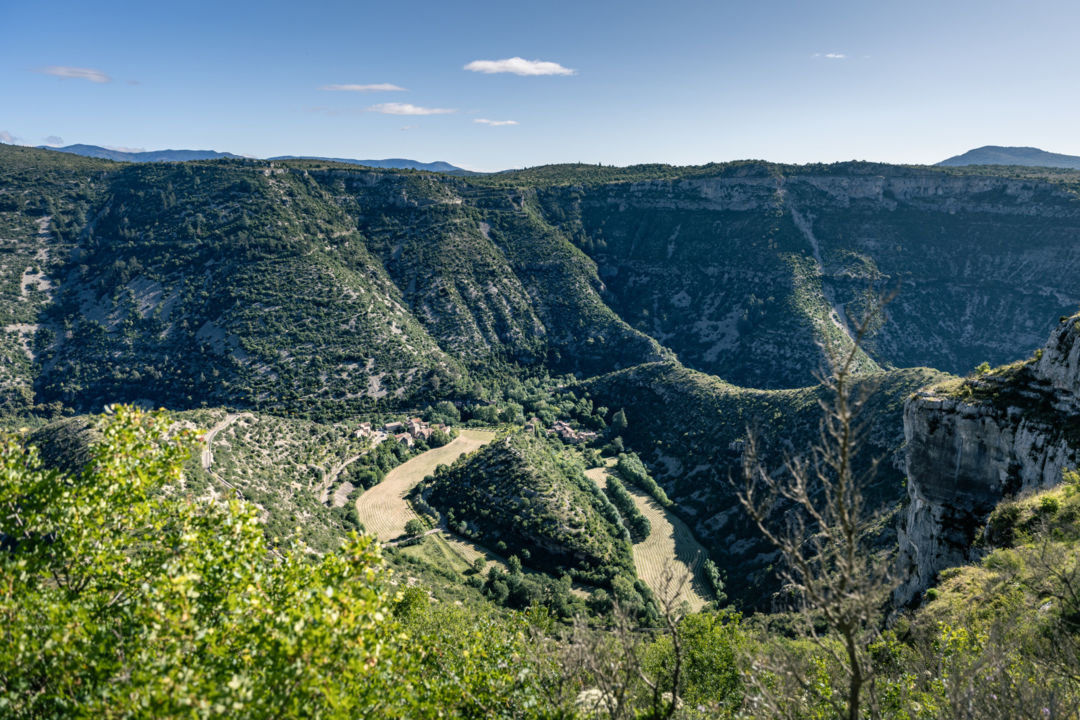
748	272
1059	365
973	444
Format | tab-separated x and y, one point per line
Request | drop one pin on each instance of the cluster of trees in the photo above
370	469
630	467
637	524
523	491
520	591
513	401
627	597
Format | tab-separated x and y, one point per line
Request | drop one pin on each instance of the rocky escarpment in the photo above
974	442
749	271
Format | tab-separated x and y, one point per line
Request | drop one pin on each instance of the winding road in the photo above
208	447
328	480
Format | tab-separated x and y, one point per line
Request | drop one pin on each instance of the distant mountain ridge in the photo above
104	153
96	151
1027	156
388	163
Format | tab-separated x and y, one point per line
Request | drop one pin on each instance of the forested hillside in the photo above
327	290
521	496
310	289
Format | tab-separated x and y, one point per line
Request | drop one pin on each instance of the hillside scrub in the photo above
122	597
327	290
525	492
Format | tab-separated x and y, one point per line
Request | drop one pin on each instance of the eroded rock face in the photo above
1060	364
966	454
747	273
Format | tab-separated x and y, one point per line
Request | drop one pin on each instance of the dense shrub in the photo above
634	471
637	524
121	600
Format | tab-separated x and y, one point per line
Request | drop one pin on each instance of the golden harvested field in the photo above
670	542
383	509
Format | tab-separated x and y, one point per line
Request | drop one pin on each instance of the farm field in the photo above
383	510
670	540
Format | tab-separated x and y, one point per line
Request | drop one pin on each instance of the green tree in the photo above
712	572
119	600
711	643
444	412
618	422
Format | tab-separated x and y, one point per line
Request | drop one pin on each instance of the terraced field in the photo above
670	542
383	509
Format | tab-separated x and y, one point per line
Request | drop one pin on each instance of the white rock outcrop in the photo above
965	456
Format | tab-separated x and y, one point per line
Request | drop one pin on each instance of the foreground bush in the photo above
120	598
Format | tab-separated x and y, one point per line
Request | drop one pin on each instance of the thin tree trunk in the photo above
855	686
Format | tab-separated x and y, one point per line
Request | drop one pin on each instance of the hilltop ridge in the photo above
139	156
1027	156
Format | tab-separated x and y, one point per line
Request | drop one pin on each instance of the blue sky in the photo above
637	81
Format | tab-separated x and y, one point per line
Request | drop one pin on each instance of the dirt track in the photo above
208	450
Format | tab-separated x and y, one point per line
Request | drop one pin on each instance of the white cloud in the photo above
830	56
519	66
495	123
9	139
119	148
394	108
54	141
374	87
64	71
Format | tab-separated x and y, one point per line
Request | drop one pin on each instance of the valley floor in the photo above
383	510
670	543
